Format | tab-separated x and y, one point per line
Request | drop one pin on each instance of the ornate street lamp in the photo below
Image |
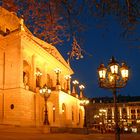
38	73
84	103
57	71
45	92
113	77
81	87
68	77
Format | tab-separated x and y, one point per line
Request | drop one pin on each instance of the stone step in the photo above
20	129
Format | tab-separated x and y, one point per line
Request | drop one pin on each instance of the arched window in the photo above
49	81
26	73
38	77
63	108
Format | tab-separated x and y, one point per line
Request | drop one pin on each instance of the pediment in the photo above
50	49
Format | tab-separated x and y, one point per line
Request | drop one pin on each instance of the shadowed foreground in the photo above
64	136
32	133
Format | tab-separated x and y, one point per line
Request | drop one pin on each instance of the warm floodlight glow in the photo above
57	70
81	87
45	90
102	110
67	77
124	71
114	67
96	116
110	77
102	71
38	73
53	108
116	78
84	102
75	82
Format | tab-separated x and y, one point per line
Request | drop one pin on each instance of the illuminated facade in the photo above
27	64
128	112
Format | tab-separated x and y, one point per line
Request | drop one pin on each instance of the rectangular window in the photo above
132	111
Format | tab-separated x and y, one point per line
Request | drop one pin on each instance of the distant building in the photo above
26	65
101	114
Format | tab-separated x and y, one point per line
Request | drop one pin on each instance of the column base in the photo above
58	87
46	129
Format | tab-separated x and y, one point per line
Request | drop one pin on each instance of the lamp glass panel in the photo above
49	91
40	90
102	74
124	73
114	69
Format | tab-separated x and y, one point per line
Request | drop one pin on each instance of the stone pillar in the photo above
120	110
33	75
44	75
21	84
113	115
136	113
37	109
128	114
106	116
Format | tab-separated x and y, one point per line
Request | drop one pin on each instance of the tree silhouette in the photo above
58	21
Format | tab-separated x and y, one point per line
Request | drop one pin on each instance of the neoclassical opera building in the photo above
27	64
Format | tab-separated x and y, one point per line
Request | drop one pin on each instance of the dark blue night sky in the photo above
103	43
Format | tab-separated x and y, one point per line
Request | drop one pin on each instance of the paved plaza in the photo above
35	133
64	136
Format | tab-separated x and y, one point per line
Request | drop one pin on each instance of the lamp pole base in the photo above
46	129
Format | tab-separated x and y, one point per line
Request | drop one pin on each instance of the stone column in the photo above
37	109
136	113
21	84
128	114
33	71
112	114
44	75
120	110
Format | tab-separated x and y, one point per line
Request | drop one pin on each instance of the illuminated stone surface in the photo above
22	55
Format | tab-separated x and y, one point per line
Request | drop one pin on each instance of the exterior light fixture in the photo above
81	87
124	71
38	73
75	83
113	77
68	77
57	71
102	72
84	102
45	92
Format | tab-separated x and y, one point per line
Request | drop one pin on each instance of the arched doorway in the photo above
38	77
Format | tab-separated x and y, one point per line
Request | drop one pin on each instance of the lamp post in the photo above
84	103
113	77
45	92
75	83
57	71
81	91
68	77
